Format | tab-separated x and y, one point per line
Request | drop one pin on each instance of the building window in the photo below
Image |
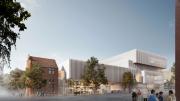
51	70
52	88
51	81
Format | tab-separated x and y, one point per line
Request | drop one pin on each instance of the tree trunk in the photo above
129	87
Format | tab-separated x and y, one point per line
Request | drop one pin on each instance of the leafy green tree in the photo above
70	82
71	85
5	80
94	73
12	17
128	80
16	81
1	80
167	84
173	74
101	75
34	78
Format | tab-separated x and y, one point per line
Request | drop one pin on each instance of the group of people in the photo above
153	96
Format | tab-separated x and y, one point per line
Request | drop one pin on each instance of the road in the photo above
109	97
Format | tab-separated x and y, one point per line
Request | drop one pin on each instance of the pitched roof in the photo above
62	68
43	62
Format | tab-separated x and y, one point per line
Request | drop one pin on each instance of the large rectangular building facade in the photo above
137	57
147	68
75	69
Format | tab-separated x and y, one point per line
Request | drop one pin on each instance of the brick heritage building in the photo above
50	73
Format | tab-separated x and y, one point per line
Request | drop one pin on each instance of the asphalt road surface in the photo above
109	97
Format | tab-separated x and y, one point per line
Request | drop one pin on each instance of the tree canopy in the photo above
12	17
34	77
31	78
173	74
70	82
94	73
16	82
128	81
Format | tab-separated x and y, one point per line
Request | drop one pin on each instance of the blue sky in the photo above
79	29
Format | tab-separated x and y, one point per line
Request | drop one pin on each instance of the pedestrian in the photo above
157	96
134	96
171	96
139	95
152	97
160	96
145	94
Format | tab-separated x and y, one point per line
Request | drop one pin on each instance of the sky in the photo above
79	29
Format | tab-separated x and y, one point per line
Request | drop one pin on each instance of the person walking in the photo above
160	96
134	96
171	96
157	96
145	94
152	97
139	95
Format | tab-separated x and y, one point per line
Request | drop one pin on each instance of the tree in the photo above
128	80
1	80
12	17
94	73
70	82
173	74
34	77
5	81
16	82
101	75
167	84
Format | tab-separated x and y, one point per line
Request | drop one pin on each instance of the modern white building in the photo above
75	69
137	57
146	67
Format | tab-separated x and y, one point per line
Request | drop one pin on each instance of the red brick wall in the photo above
49	87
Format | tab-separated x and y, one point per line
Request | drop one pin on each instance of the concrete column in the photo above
177	50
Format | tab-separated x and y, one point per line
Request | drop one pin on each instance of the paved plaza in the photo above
110	97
